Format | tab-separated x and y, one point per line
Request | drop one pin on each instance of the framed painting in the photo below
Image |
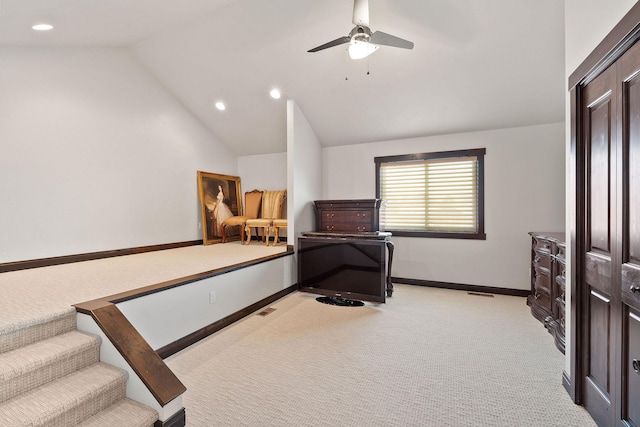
220	198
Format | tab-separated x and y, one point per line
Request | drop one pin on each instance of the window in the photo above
433	194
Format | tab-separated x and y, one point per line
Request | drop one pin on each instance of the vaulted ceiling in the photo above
476	64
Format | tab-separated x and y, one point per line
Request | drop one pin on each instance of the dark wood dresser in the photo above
548	271
348	216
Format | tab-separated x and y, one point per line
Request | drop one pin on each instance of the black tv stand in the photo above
342	302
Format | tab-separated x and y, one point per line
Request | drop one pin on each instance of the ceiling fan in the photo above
361	41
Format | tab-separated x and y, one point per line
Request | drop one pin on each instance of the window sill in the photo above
438	234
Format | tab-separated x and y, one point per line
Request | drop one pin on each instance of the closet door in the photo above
629	207
599	113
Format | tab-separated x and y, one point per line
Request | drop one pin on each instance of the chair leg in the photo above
223	227
247	231
276	235
242	234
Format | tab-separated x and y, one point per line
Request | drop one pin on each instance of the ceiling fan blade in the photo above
388	40
361	12
336	42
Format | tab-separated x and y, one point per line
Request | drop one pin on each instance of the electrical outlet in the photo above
212	297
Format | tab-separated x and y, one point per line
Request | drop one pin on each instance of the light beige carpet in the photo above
28	296
429	357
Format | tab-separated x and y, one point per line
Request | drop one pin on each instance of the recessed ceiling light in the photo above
42	27
220	106
275	93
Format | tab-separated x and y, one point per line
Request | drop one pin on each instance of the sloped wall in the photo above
95	155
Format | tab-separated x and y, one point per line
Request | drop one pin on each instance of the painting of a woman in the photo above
219	200
221	211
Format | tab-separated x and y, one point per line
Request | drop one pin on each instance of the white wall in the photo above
587	22
263	172
304	171
95	155
524	191
165	317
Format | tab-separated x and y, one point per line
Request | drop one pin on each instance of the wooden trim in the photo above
621	37
479	153
67	259
151	369
566	383
214	327
440	234
463	287
86	306
577	205
176	420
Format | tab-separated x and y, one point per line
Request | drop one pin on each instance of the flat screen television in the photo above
343	269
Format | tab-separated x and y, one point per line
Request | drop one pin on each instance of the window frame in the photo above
479	153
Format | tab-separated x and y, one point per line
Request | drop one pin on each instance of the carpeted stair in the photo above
51	375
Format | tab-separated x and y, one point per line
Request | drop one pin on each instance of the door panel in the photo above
631	371
600	137
599	338
599	172
629	264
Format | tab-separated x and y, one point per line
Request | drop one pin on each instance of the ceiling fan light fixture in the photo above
359	49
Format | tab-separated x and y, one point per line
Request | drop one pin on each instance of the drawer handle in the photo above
329	215
536	259
634	288
329	227
636	365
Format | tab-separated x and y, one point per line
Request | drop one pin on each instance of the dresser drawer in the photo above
345	226
361	217
540	244
542	281
541	259
543	301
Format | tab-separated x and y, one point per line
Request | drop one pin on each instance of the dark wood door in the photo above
628	165
605	237
599	320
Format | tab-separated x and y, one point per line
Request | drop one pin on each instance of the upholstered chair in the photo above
252	205
271	209
276	225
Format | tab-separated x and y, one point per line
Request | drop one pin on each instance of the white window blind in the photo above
439	194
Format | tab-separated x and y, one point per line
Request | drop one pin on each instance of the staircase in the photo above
51	375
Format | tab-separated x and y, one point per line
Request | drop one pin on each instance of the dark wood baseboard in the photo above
214	327
67	259
176	420
463	287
